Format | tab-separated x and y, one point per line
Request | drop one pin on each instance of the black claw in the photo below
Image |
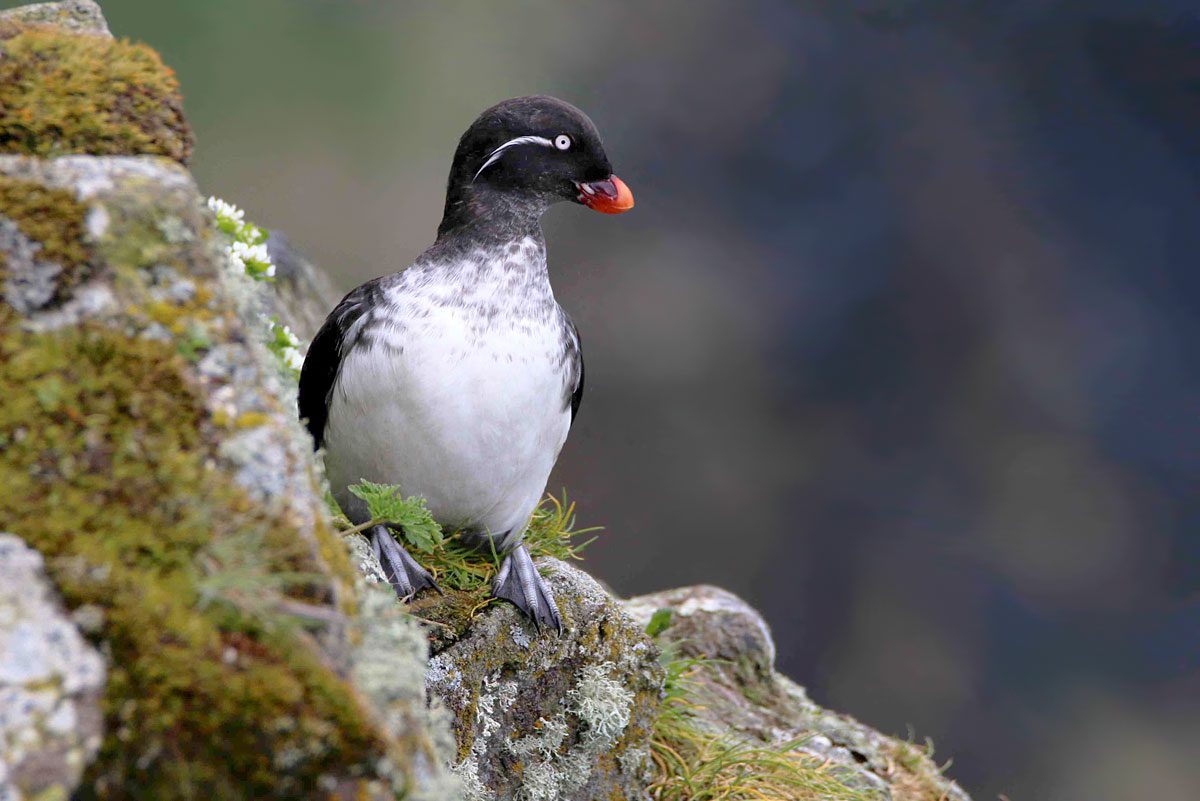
519	582
406	576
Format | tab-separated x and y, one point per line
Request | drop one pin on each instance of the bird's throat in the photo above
485	215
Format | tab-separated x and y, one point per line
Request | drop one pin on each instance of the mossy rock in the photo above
63	91
150	453
541	715
736	695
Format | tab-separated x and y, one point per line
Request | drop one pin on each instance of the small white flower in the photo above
292	358
255	259
251	253
226	210
235	262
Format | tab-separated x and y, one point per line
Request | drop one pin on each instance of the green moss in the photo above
51	217
66	93
107	469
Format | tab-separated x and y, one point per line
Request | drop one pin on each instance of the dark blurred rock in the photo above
743	696
303	295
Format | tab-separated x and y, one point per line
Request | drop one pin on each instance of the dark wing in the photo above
324	359
575	360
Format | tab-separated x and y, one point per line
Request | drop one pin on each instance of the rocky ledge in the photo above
179	616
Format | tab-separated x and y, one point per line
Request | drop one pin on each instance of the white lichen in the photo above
546	743
602	704
495	695
51	679
29	281
388	666
552	773
520	635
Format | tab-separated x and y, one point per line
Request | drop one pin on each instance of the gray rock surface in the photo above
539	716
80	16
51	680
744	697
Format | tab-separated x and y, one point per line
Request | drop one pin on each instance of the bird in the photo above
458	377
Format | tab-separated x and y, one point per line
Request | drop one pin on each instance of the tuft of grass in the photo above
454	564
694	764
912	772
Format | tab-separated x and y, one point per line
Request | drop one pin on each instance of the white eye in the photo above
562	141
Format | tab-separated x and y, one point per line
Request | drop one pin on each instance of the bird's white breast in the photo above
458	394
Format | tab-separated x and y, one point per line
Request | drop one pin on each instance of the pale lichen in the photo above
602	704
495	695
582	703
388	667
556	767
50	682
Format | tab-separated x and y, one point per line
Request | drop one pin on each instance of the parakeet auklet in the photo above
458	378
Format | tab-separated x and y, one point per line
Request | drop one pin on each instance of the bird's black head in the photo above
525	154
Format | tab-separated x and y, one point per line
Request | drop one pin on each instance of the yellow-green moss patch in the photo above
53	218
108	465
64	93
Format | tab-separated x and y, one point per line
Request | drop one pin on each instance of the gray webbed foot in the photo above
518	581
402	571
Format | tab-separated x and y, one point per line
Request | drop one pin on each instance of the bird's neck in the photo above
485	216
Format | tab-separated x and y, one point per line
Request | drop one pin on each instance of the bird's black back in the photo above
324	360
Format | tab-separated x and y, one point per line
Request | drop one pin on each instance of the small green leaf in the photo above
659	622
409	515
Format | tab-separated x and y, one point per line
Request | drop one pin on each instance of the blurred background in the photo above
898	343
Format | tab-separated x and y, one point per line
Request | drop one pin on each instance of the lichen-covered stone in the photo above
66	90
712	623
42	242
389	663
741	695
152	455
77	16
541	716
51	680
